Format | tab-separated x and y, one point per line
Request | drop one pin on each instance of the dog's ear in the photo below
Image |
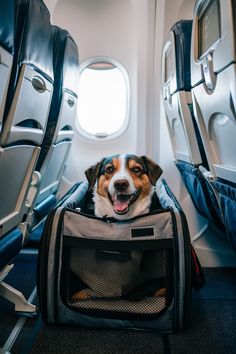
92	175
154	170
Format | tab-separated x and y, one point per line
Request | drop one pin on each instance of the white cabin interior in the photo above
132	32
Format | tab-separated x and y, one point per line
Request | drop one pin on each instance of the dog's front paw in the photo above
160	292
81	295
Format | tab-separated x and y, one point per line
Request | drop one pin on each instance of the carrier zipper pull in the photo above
108	219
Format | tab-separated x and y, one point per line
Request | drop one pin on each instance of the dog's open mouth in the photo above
121	202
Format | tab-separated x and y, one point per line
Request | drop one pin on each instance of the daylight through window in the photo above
103	96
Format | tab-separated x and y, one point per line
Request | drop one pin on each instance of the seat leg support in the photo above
17	298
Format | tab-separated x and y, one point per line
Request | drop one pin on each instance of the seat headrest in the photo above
182	33
7	25
66	60
34	36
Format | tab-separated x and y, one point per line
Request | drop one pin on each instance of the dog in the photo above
123	185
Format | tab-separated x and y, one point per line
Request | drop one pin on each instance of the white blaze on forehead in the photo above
122	173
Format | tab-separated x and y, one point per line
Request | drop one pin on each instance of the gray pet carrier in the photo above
100	272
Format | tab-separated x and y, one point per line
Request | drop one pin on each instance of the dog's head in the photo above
123	185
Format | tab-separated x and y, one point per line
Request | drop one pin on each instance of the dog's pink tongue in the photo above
121	206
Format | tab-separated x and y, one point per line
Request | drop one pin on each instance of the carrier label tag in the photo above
147	231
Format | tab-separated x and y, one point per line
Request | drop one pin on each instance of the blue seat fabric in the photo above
32	32
7	27
199	189
227	197
65	63
182	32
10	246
201	193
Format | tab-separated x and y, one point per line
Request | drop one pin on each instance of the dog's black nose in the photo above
121	185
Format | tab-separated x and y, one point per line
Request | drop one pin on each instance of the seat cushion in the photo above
201	193
227	198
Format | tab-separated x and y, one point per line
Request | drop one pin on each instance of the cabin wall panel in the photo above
123	30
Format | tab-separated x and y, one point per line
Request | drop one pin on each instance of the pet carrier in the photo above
100	272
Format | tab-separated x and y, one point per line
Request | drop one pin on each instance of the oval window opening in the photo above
103	99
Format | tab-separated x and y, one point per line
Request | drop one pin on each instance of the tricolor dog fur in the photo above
123	185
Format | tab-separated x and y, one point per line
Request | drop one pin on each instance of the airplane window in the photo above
103	99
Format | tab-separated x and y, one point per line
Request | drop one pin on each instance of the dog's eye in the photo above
109	169
137	170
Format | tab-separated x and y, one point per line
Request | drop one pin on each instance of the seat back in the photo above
213	72
176	85
66	56
26	109
7	32
59	133
189	153
32	76
213	69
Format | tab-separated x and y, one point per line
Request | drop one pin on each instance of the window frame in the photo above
124	126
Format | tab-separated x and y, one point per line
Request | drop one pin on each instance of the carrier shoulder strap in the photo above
197	275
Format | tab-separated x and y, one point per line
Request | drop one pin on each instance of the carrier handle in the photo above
197	275
113	255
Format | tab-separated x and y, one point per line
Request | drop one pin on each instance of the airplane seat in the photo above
26	108
213	72
10	246
190	157
23	124
59	132
7	33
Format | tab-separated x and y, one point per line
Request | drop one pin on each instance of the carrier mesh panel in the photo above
146	306
130	282
104	276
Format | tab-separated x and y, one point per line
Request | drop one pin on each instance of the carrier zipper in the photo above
176	273
109	220
56	260
43	250
42	266
187	259
187	255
